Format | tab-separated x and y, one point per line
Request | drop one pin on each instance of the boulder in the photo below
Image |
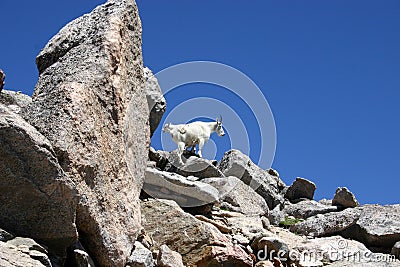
235	163
169	258
166	185
273	246
300	189
141	257
155	99
12	256
237	196
2	78
90	102
276	215
199	243
307	208
344	198
34	190
15	101
396	250
378	227
327	224
5	236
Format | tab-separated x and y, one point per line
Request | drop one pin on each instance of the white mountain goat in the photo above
197	132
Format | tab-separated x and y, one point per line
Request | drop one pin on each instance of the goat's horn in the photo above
220	118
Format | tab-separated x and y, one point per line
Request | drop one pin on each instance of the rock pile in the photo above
80	185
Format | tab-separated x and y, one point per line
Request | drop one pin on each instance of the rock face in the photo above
141	257
237	196
35	193
301	188
15	101
2	78
91	104
308	208
169	258
166	185
200	243
344	198
235	163
396	250
155	99
12	256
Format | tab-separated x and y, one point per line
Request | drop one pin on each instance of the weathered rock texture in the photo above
344	198
91	104
235	163
199	243
11	256
155	99
16	101
300	189
169	258
37	199
237	196
307	208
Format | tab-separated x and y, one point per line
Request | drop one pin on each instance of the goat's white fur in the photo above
188	135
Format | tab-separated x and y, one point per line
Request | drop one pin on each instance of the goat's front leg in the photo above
181	148
201	144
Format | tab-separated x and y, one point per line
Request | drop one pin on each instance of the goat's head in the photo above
167	128
219	129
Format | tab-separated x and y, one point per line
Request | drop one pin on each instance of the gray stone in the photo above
166	185
141	257
273	246
27	242
155	99
307	208
326	202
396	250
15	101
40	256
2	78
344	198
276	215
34	190
90	102
327	224
235	163
301	188
10	256
82	259
199	243
237	196
169	258
5	236
198	167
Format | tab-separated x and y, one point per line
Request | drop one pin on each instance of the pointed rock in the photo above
344	198
300	189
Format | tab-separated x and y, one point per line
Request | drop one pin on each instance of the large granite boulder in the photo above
307	208
155	99
16	101
300	189
237	196
186	193
90	102
344	198
199	243
37	198
11	256
235	163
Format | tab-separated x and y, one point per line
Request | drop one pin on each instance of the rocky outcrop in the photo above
237	196
344	198
235	163
141	257
34	191
199	243
155	99
166	185
300	189
12	256
169	258
2	78
396	250
15	101
307	208
90	102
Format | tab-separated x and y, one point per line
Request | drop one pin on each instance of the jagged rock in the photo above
5	236
155	99
237	196
34	190
81	259
327	224
344	198
2	78
141	257
28	243
326	202
273	246
300	189
199	243
307	208
396	250
235	163
166	185
276	215
40	256
169	258
16	101
90	102
220	226
11	256
378	227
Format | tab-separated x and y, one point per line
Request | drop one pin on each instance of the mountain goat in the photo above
197	132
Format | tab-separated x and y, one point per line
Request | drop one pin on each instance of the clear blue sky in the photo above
330	71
